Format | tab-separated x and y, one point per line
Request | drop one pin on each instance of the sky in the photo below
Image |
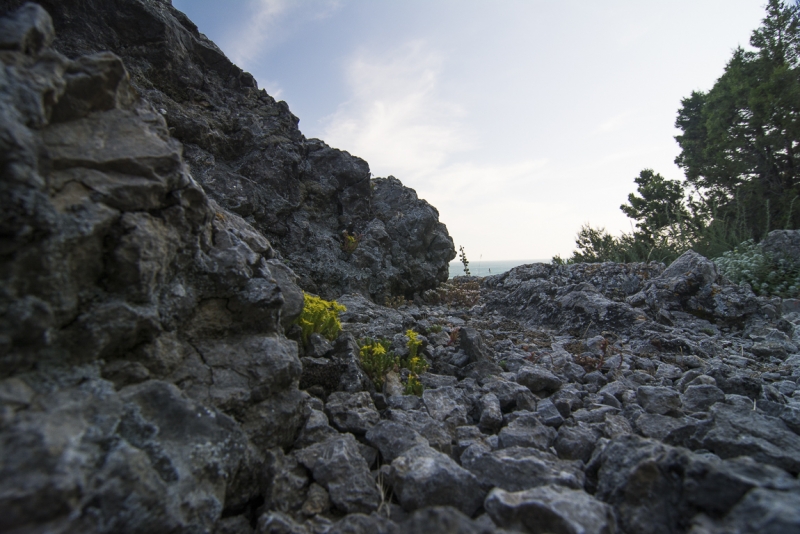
518	120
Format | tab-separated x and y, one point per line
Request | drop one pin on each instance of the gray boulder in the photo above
519	468
743	432
423	476
657	488
538	379
393	439
338	466
352	412
526	431
550	509
442	520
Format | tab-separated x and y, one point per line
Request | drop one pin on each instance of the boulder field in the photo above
160	218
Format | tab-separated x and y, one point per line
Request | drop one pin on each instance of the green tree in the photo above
739	141
659	209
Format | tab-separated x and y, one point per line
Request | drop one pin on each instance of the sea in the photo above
488	268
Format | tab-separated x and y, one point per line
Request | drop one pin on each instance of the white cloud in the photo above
269	23
614	123
263	26
397	118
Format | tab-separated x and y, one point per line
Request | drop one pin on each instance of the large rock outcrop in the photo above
143	368
247	152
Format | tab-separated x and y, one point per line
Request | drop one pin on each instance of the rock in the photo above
318	346
288	481
471	343
539	380
423	476
27	30
783	244
365	524
337	465
699	398
737	432
491	417
279	523
446	402
764	510
548	413
552	509
442	519
434	431
526	431
647	481
393	439
575	442
662	427
352	412
315	430
519	468
658	400
508	393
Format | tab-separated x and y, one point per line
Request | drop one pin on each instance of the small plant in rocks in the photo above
350	241
767	274
395	302
415	364
320	316
376	359
460	292
464	261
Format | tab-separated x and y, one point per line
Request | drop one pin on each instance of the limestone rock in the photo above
423	476
552	509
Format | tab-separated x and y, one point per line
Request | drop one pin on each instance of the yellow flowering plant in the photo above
376	359
320	316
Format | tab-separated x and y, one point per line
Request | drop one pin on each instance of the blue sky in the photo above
518	120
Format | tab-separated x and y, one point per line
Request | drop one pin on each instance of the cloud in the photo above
400	119
397	118
263	26
614	123
270	22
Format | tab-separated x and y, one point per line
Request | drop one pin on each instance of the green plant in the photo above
460	292
394	302
319	316
413	386
415	364
376	359
350	241
463	257
766	274
434	329
413	343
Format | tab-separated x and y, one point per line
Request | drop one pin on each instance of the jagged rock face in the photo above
246	151
143	367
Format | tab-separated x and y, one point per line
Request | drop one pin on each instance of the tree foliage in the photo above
740	152
740	140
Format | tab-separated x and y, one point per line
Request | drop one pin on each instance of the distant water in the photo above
488	268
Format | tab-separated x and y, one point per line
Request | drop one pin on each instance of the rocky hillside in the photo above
247	153
147	384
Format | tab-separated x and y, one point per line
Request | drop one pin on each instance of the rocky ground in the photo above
151	378
582	398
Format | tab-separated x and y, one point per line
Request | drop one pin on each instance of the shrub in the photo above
395	302
415	364
320	316
460	292
376	359
766	274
